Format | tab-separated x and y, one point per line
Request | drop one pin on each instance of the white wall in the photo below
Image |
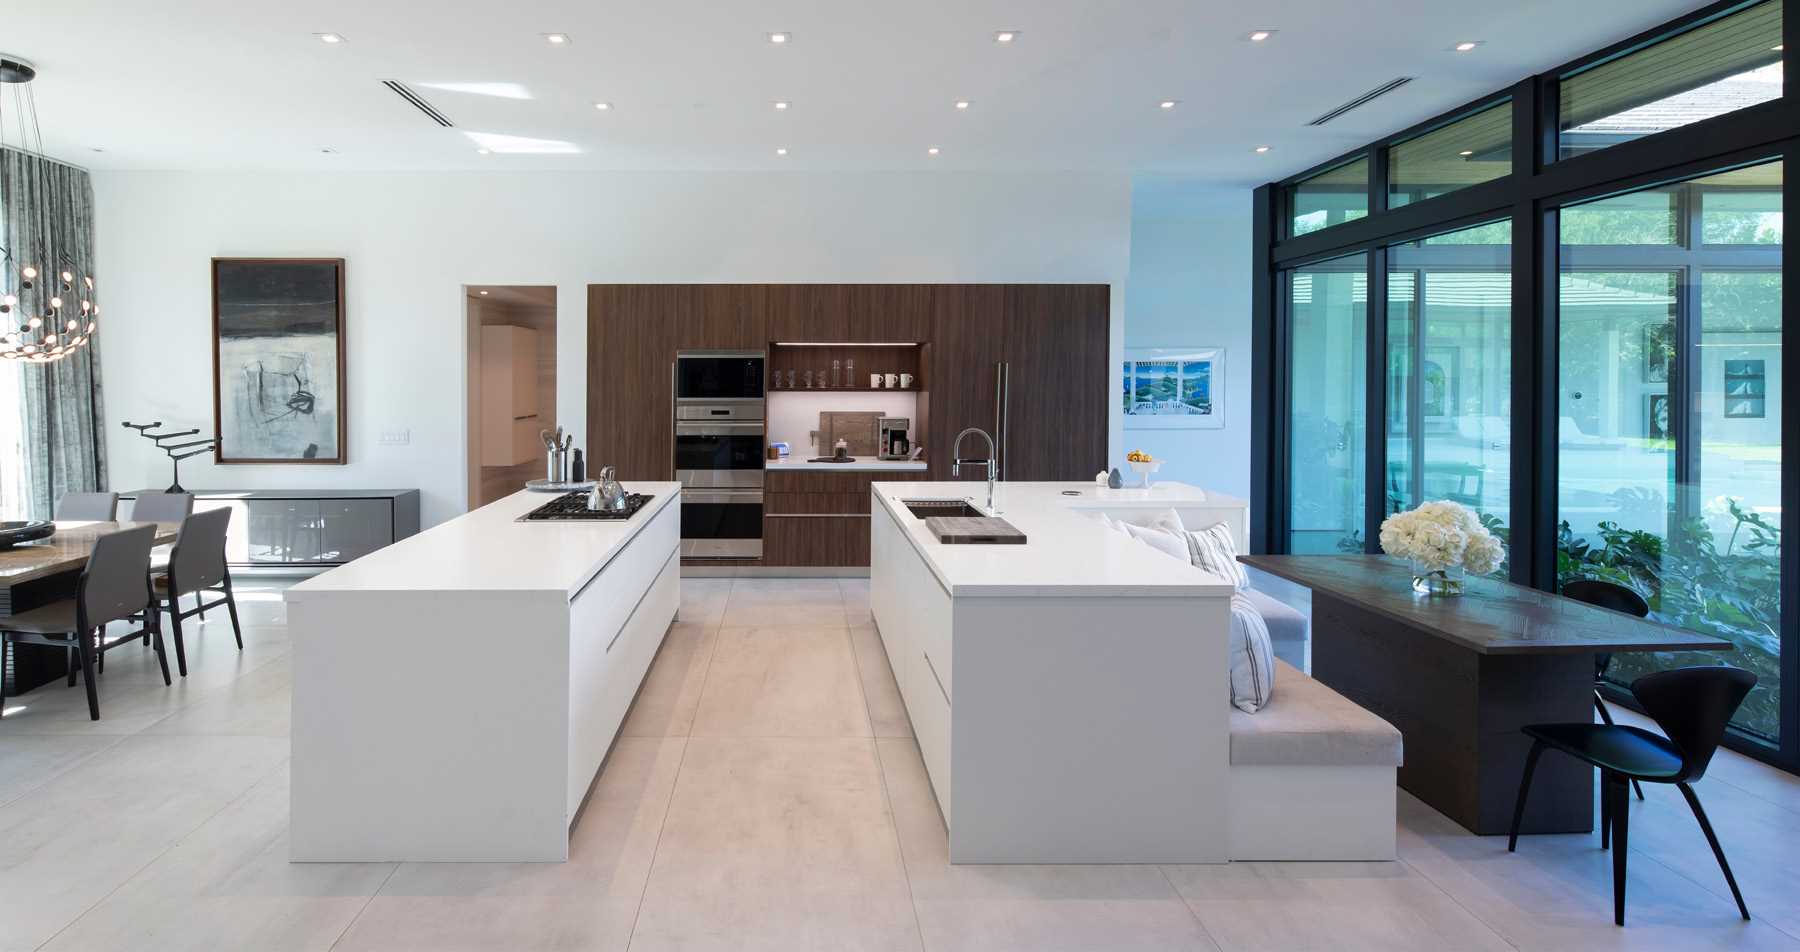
412	240
1189	286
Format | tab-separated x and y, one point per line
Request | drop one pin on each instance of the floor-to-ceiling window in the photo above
1669	414
1328	305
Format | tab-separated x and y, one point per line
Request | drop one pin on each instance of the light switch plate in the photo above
395	437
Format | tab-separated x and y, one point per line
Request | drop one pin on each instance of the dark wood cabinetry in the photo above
821	518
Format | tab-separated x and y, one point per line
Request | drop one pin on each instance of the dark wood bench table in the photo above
37	573
1460	675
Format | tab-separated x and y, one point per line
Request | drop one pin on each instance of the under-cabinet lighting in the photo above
823	343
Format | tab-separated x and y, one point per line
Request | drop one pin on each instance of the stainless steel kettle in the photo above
607	494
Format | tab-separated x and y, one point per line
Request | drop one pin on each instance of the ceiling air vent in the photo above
418	102
1362	100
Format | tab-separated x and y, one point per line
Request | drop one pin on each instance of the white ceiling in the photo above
229	84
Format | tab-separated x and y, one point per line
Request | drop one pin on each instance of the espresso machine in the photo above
892	440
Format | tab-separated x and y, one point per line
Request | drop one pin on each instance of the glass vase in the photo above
1444	581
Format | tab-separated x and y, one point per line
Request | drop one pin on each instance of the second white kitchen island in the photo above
455	693
1069	695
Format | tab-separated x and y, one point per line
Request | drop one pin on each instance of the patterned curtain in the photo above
47	212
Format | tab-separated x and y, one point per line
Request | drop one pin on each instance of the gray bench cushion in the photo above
1309	725
1286	624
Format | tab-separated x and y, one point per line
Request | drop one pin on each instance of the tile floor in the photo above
765	794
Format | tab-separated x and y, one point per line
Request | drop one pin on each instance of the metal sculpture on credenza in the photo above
176	451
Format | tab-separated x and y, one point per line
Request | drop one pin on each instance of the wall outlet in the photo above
395	437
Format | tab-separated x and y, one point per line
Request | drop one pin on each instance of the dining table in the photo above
33	574
1460	675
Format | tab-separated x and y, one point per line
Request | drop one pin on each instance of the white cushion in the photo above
1169	521
1252	657
1213	551
1166	542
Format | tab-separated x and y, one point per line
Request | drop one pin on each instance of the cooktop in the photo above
573	506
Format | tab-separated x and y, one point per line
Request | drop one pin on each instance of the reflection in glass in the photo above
1330	198
1466	152
1669	405
1328	309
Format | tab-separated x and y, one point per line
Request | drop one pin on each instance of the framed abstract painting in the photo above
278	360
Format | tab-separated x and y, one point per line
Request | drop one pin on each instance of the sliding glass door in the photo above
1328	307
1669	415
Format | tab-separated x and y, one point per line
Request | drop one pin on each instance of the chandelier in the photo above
47	309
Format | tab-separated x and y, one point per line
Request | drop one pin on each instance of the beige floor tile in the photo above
258	703
28	761
856	601
229	885
781	602
588	903
1025	907
703	601
1555	893
778	844
887	712
74	840
782	682
670	695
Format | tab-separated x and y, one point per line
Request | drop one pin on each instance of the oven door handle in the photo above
718	428
727	497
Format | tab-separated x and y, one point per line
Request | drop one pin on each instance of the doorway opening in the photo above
511	384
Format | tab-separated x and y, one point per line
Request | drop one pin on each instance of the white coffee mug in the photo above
905	380
874	380
893	380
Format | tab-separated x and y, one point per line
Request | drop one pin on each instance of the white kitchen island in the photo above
1069	695
455	693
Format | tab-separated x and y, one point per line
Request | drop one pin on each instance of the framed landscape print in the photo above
278	360
1174	388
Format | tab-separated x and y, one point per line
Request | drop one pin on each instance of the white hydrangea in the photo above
1440	535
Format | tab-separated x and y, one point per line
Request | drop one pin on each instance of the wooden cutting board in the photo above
974	530
856	428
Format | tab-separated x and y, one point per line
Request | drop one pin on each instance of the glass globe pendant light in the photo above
47	309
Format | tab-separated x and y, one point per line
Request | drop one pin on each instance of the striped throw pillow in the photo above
1212	550
1252	657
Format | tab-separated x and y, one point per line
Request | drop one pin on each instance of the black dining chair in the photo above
114	585
1692	706
197	567
1617	597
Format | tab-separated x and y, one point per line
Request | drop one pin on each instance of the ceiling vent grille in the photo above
418	102
1363	99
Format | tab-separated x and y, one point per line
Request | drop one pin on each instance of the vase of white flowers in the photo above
1442	541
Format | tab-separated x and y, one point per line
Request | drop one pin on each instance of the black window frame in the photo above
1540	184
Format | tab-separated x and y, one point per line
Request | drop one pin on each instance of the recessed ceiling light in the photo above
603	106
1260	35
781	104
779	38
1466	153
962	104
330	37
932	151
484	151
781	152
482	293
1262	148
557	39
1169	103
1006	36
1467	45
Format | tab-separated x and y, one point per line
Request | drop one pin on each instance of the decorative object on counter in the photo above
574	507
556	454
549	486
772	453
1174	388
840	450
16	533
1114	480
578	468
176	451
1441	540
781	447
608	494
1143	464
906	381
278	360
875	381
46	271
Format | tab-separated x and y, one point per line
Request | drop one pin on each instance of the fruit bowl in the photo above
1144	468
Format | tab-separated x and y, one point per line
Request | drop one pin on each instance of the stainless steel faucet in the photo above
990	463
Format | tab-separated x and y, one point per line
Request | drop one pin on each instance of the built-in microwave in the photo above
718	375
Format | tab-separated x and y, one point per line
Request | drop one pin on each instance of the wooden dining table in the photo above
1460	675
33	574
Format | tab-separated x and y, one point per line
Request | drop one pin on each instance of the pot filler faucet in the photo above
956	466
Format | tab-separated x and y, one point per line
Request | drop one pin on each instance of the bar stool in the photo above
1604	594
114	585
196	567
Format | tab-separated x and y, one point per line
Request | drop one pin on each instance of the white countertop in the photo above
1158	496
1067	550
858	464
487	550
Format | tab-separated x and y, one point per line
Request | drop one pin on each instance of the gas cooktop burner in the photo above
574	507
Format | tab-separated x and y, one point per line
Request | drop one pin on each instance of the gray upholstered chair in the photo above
114	585
162	507
197	567
88	507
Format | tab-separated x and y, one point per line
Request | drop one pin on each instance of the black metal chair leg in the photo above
1606	811
1621	818
87	674
1713	841
70	662
175	628
200	600
1531	759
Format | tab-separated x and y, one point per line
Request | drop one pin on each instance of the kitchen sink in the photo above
926	508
